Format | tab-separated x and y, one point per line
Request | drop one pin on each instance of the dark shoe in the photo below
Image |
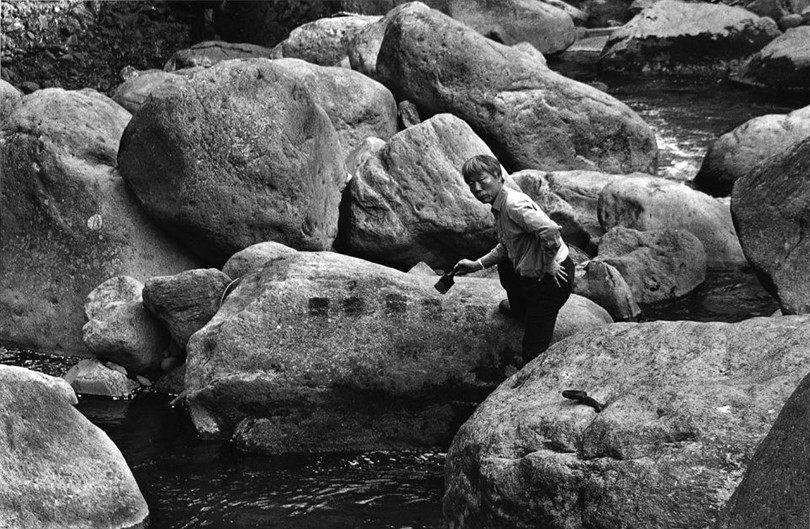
504	307
583	398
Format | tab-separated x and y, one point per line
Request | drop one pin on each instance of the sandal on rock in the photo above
583	398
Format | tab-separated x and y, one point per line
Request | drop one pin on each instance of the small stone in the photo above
143	381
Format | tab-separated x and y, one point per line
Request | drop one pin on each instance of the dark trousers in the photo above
536	302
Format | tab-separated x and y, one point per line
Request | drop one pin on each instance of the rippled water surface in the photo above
686	115
189	483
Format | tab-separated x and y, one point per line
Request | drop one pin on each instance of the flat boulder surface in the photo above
409	203
318	351
651	203
738	152
57	469
69	222
239	154
771	215
775	490
686	405
783	64
687	39
530	116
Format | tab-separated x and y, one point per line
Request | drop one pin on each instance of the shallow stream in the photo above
189	483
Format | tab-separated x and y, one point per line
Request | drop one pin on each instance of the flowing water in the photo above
189	483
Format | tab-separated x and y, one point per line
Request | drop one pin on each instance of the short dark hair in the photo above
483	163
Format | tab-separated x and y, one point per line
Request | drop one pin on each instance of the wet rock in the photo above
91	377
687	39
658	265
253	257
686	405
773	493
603	284
69	221
736	153
185	302
771	214
784	63
211	164
408	201
531	117
326	41
358	107
210	52
318	351
56	468
650	203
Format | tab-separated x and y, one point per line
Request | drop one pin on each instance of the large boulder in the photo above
738	152
68	220
318	351
686	405
650	203
771	211
132	93
687	39
783	64
358	107
658	265
239	154
185	302
408	201
530	116
208	53
58	470
546	27
326	41
774	492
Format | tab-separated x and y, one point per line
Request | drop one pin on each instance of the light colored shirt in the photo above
526	235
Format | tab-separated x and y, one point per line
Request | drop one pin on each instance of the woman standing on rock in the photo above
533	262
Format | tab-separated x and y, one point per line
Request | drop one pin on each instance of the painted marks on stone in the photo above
392	305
